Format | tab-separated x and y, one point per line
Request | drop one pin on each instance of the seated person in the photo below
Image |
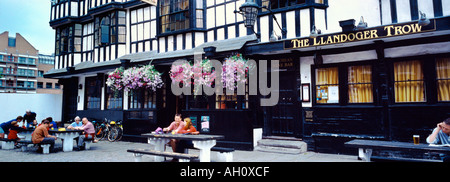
75	124
40	135
4	127
175	126
441	135
188	128
89	132
53	124
13	132
30	118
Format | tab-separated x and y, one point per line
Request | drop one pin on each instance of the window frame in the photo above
142	99
343	83
107	100
113	25
192	15
173	12
424	80
365	83
99	90
439	79
307	4
430	79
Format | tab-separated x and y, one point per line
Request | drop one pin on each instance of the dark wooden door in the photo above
285	120
70	98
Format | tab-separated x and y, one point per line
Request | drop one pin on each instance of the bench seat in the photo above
24	144
183	157
44	144
223	155
365	148
7	144
87	143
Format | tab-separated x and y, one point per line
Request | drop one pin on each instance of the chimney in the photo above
347	25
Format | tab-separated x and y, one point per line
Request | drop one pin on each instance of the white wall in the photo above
44	105
352	9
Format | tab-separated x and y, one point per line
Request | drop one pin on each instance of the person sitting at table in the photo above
88	132
175	126
53	124
188	128
75	124
13	132
4	127
40	135
30	118
441	135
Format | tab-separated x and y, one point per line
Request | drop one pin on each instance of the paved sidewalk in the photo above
105	151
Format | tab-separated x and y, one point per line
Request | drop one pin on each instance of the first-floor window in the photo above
275	4
327	85
409	81
443	79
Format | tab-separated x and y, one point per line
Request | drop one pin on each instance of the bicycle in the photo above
101	129
116	131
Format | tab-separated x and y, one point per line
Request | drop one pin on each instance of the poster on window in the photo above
333	94
205	124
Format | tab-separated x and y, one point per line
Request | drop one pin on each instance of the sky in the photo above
30	18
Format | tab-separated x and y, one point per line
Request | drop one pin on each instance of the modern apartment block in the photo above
22	67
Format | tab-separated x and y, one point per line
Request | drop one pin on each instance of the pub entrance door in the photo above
70	96
286	117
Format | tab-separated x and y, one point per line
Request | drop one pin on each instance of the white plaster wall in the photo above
44	105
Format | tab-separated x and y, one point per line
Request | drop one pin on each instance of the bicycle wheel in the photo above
113	133
120	133
100	132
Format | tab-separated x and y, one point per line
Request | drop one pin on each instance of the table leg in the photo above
205	149
159	144
365	154
67	140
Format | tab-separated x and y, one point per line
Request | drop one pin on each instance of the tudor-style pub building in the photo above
375	69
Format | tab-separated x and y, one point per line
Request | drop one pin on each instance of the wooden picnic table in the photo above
202	142
365	147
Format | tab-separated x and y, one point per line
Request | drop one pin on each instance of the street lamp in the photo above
250	10
361	25
423	21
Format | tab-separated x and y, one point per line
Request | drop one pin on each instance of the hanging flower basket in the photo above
182	73
235	70
204	74
134	78
114	80
151	78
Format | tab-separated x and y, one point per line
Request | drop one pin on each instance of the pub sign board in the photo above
366	34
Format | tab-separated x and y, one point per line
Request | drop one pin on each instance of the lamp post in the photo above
423	21
250	12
